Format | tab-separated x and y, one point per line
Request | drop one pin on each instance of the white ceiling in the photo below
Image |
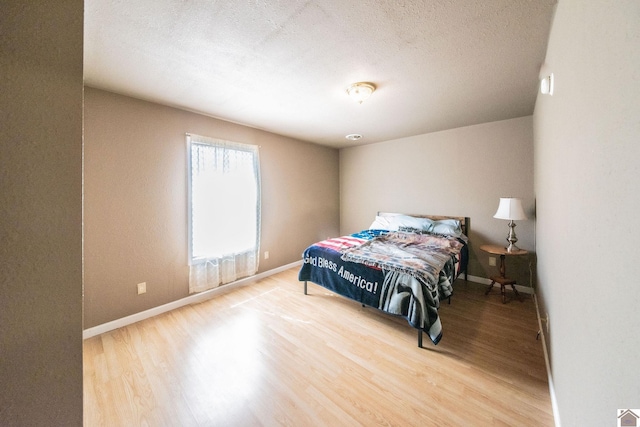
283	66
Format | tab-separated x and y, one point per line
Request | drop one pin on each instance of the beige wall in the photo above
461	172
41	213
587	186
135	200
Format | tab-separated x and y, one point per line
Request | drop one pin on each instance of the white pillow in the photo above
397	221
448	227
380	223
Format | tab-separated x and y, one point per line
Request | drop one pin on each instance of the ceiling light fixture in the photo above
360	91
353	136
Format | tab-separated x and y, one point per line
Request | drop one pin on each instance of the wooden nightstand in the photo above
502	278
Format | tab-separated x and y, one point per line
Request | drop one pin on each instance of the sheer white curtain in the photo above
224	211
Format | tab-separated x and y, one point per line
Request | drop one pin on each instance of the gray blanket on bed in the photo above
419	273
420	255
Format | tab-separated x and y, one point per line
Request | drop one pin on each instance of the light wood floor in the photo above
267	355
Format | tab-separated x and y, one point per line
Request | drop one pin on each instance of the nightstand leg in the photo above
515	291
490	287
504	282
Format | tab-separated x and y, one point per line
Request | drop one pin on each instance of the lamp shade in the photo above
510	208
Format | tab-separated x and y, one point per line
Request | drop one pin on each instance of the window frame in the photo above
254	149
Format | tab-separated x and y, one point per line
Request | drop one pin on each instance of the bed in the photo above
404	265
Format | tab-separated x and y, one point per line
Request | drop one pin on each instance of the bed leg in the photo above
305	287
420	338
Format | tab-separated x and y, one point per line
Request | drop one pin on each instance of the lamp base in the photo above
512	248
511	238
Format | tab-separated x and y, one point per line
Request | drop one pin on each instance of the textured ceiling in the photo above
283	66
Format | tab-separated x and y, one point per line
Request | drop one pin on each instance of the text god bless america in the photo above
342	272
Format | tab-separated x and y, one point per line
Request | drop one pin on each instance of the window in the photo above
224	211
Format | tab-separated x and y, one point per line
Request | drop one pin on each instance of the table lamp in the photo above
510	208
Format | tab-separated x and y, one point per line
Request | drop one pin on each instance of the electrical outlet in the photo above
266	254
142	288
492	261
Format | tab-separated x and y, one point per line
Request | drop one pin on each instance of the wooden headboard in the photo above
464	221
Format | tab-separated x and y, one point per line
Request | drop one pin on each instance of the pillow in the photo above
394	222
380	223
397	221
411	230
447	227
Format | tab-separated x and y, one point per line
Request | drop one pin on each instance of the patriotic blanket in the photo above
404	274
420	255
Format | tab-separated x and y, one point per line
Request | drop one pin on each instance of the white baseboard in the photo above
202	296
191	299
485	281
552	391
